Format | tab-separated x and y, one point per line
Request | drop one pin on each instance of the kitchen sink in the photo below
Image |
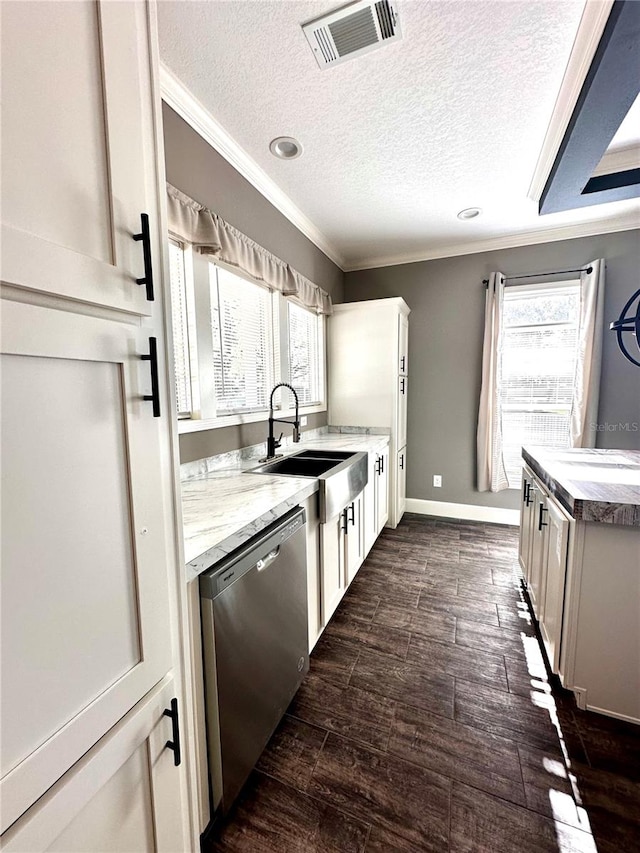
341	476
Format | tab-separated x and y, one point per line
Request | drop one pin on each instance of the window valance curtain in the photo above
211	235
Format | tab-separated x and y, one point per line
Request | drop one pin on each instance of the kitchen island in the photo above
580	556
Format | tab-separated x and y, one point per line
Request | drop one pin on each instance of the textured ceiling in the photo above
397	141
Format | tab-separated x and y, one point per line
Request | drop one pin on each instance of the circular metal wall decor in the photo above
630	324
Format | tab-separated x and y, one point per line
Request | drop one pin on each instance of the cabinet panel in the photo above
555	571
382	490
333	570
403	345
354	539
370	504
124	794
526	524
537	571
85	619
401	483
403	390
73	170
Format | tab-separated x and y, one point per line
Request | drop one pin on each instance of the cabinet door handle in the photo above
542	523
145	236
402	385
154	396
525	492
402	362
381	465
402	461
174	743
352	509
345	522
376	467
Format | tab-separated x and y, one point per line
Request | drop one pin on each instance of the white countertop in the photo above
223	509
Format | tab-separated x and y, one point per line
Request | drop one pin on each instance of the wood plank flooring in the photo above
427	721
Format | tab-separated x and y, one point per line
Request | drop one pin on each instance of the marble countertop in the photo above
592	485
224	508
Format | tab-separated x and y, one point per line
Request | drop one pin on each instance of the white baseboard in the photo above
466	512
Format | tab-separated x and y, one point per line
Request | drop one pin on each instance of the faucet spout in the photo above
272	442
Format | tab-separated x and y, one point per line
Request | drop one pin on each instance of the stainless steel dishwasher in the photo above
256	653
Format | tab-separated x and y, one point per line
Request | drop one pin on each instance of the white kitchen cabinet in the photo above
89	574
376	497
342	554
314	588
536	582
368	378
121	796
401	481
526	523
559	525
77	164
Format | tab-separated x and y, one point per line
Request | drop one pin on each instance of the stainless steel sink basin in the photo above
341	476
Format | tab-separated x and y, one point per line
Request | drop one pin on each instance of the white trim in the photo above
179	98
466	512
606	712
590	29
618	160
626	222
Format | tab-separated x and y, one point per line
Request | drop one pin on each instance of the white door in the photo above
526	516
403	345
333	568
370	503
121	796
76	113
557	546
537	571
401	483
354	539
382	490
403	388
85	604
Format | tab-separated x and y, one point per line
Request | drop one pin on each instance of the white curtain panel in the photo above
193	223
492	475
586	389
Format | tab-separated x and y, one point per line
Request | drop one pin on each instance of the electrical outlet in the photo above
303	420
437	480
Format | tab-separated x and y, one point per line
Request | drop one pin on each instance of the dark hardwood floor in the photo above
427	721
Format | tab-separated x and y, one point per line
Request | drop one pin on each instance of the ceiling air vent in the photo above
351	31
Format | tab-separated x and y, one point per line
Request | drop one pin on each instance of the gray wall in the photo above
446	298
197	169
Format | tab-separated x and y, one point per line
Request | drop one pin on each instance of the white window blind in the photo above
538	363
180	329
242	342
304	354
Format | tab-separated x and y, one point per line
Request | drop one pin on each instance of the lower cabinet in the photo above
123	794
526	523
536	578
342	554
558	529
376	498
401	484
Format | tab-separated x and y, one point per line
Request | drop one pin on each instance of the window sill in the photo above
194	425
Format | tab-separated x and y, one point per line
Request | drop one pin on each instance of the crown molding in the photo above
590	29
618	160
627	222
180	99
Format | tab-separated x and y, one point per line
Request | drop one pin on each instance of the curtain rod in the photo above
588	270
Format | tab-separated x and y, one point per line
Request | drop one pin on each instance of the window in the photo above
538	365
241	335
305	353
234	339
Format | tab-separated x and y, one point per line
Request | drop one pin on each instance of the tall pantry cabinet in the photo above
90	669
369	379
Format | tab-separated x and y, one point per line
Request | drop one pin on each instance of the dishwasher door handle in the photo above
265	562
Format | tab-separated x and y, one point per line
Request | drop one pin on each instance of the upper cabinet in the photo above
90	663
78	165
368	378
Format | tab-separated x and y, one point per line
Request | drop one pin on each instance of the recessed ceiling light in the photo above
470	213
285	147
